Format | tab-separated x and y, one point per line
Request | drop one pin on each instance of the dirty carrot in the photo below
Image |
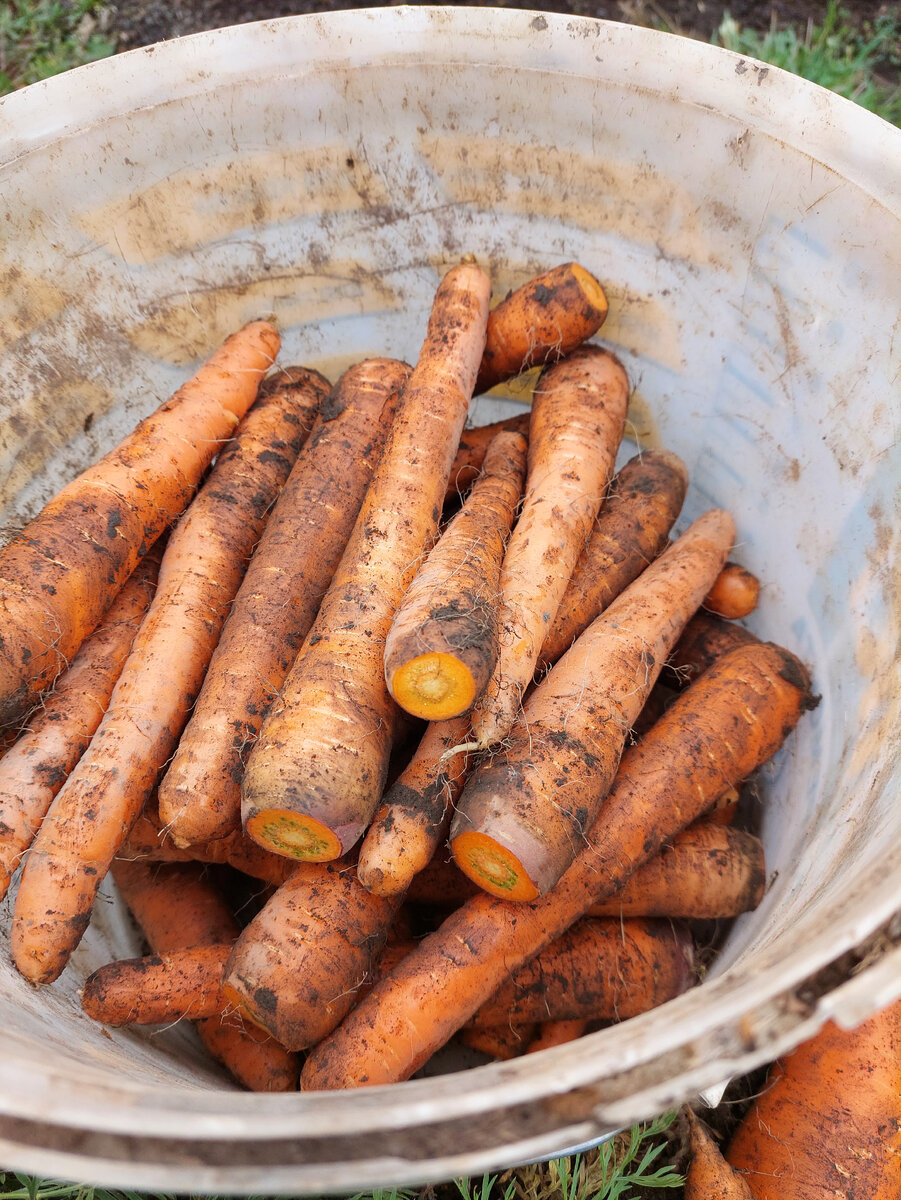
177	907
705	638
644	500
501	1042
158	988
578	416
556	1033
542	321
442	644
709	1176
470	456
828	1121
35	768
60	574
201	569
317	772
413	815
734	594
730	721
292	567
524	813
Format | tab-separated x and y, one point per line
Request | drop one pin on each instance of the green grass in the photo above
41	39
859	62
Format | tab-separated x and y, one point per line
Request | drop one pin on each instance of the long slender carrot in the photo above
414	813
540	322
709	1176
631	529
36	767
158	988
292	567
732	719
471	451
316	774
524	813
200	572
734	594
578	417
60	574
828	1122
177	907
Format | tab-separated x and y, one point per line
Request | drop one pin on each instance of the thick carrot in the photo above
828	1122
501	1042
541	322
292	567
599	969
578	416
177	907
524	814
709	1176
442	645
731	720
158	988
556	1033
36	767
631	529
471	451
296	968
200	572
60	574
734	594
413	816
706	638
316	774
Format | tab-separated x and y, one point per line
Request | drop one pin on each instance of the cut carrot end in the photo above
234	1002
294	835
492	866
434	686
591	289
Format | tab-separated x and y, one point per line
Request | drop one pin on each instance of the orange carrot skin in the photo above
158	988
556	1033
599	969
705	638
718	731
709	1176
631	529
502	1042
537	798
542	321
200	795
200	572
323	750
35	768
734	594
828	1122
321	927
442	644
60	574
471	451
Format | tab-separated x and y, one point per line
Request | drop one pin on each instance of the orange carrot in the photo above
177	907
60	574
316	774
631	529
556	1033
578	416
35	768
470	456
442	644
709	1176
524	814
321	927
734	594
292	567
158	988
717	732
541	322
501	1042
828	1121
706	637
200	572
599	969
413	815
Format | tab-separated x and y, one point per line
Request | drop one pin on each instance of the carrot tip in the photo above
435	686
494	868
294	835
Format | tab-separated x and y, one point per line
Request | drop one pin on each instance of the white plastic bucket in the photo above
326	170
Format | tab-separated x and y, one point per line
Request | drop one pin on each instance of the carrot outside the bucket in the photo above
61	572
542	321
709	1176
277	603
200	572
525	812
733	719
442	646
315	776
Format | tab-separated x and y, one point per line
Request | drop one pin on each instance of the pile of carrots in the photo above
452	695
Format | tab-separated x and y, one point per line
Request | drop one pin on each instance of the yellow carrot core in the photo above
494	868
591	289
295	835
434	686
